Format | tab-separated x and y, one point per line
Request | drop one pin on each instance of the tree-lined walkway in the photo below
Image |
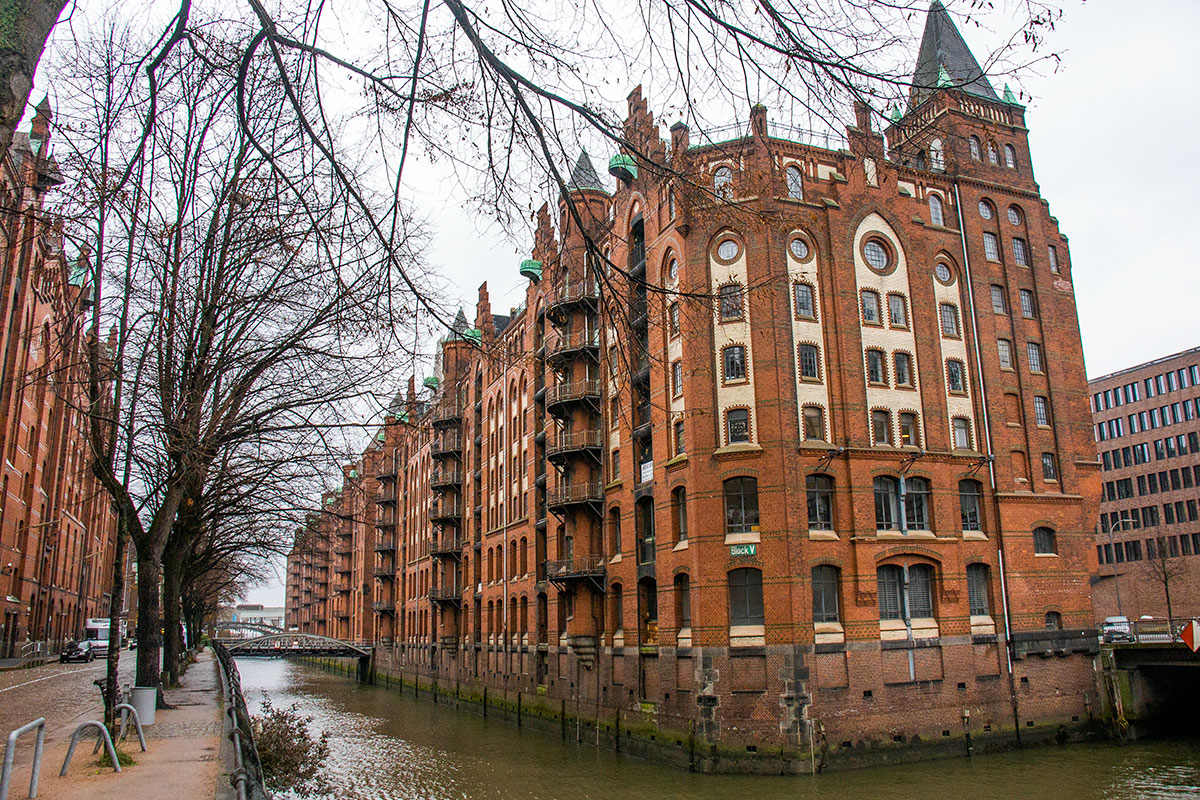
185	743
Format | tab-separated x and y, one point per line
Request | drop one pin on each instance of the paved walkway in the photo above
183	760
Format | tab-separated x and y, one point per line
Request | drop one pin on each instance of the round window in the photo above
876	255
942	273
728	250
1014	215
985	209
799	249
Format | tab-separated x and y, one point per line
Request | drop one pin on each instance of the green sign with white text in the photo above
742	550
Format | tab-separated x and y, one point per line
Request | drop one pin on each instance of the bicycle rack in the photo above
103	733
10	753
131	713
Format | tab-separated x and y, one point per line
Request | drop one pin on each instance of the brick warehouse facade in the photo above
1147	430
784	461
57	531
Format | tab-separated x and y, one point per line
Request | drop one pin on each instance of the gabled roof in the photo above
584	175
944	54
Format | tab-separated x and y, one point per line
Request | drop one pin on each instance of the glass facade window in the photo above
820	502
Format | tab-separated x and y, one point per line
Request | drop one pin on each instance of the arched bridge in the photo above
298	645
283	645
256	627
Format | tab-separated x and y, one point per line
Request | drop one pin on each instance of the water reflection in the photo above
388	746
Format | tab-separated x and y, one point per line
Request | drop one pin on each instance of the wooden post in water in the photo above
562	715
617	724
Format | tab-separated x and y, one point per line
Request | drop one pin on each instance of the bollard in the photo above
10	753
108	744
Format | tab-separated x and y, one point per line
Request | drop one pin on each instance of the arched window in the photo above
814	423
916	504
825	579
644	518
795	183
1053	621
524	556
920	591
618	615
737	426
734	362
978	600
820	502
723	183
921	159
970	496
679	518
810	363
936	217
910	429
890	580
1045	541
614	530
976	152
741	505
887	503
961	428
1010	156
937	156
745	597
993	156
683	601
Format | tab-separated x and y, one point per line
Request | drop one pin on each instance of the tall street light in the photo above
1112	547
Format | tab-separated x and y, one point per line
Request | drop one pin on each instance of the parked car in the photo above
77	651
1116	629
132	643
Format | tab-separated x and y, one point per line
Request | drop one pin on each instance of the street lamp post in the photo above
1116	581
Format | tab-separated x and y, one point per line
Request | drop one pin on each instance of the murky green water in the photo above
388	746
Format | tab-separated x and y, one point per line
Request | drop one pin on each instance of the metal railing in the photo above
575	440
574	340
10	752
574	292
572	493
575	390
575	567
247	776
447	443
447	411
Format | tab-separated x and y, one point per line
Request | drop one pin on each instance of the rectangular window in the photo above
825	594
737	425
745	597
1035	356
1041	411
1020	255
955	379
731	302
897	311
949	320
881	427
977	590
962	433
679	446
805	303
1052	257
903	369
814	423
1004	350
1027	308
999	304
870	308
876	372
810	363
1149	387
673	314
991	247
1049	469
735	363
1168	514
677	378
891	600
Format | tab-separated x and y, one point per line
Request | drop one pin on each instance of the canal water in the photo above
385	745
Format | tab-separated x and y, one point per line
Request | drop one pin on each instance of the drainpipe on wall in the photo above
991	464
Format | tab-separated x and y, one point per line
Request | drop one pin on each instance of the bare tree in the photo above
1163	567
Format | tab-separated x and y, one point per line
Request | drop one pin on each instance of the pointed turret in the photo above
584	176
945	60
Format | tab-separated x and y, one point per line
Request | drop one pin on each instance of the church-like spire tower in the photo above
946	60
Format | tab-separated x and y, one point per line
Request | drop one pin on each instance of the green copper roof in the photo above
431	382
532	269
79	275
622	167
944	77
1009	97
381	436
895	114
473	335
353	473
943	50
403	417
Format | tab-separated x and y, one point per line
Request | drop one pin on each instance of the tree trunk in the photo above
149	627
172	590
115	605
24	27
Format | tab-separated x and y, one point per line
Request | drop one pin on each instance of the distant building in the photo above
802	452
257	614
1147	429
57	527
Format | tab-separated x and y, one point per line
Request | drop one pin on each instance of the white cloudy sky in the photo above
1110	129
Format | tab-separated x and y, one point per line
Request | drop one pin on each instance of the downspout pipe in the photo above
991	464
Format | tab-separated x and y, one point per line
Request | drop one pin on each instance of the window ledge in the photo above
753	537
823	536
817	444
747	635
1045	555
616	559
614	484
736	450
974	536
680	546
677	461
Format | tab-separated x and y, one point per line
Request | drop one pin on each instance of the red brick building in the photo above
56	527
1147	430
783	456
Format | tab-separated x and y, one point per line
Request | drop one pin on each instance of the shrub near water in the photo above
291	756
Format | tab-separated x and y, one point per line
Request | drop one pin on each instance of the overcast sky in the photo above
1105	132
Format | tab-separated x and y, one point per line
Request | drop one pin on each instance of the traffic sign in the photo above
1191	635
